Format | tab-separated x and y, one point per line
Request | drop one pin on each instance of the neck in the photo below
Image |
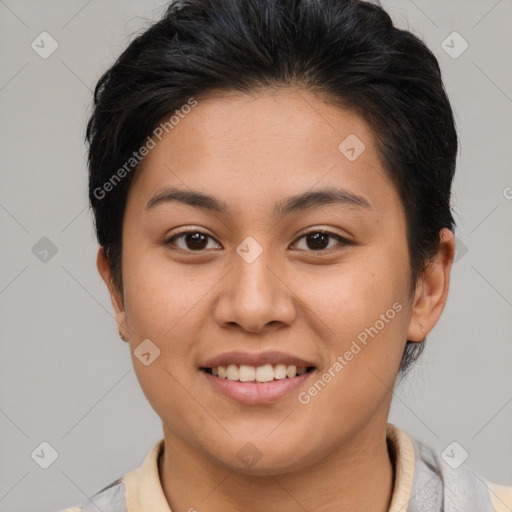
354	478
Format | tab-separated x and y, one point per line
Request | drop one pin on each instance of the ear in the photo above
432	289
103	266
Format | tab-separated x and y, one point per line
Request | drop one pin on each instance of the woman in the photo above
271	188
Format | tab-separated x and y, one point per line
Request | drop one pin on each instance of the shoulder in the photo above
127	491
111	498
459	484
440	478
501	497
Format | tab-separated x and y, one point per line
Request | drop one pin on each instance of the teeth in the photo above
247	373
232	372
280	371
291	371
265	373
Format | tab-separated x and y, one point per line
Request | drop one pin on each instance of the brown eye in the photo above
319	240
193	240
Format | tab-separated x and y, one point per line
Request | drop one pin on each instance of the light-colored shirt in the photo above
424	482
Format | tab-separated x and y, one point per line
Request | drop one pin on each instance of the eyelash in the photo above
343	241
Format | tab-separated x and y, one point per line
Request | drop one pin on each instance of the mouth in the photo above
256	379
257	374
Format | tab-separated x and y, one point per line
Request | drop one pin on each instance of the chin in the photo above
263	458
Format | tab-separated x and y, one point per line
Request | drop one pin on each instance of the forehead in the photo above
278	142
227	121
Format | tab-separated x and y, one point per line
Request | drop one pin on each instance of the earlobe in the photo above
432	289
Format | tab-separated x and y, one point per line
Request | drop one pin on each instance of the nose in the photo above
256	296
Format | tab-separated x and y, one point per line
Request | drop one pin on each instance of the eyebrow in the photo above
306	200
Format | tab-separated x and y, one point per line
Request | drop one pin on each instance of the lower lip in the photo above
253	393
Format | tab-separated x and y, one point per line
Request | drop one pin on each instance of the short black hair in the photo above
347	50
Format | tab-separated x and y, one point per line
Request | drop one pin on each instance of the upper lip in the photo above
253	359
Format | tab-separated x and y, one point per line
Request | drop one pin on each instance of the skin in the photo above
252	151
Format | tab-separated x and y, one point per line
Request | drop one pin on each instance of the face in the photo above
254	276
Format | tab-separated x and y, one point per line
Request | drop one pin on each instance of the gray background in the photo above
67	379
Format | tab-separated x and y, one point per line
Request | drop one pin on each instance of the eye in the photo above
319	240
194	240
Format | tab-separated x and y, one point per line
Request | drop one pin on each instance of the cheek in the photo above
364	314
357	381
352	295
161	298
163	304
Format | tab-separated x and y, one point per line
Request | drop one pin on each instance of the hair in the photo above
346	50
